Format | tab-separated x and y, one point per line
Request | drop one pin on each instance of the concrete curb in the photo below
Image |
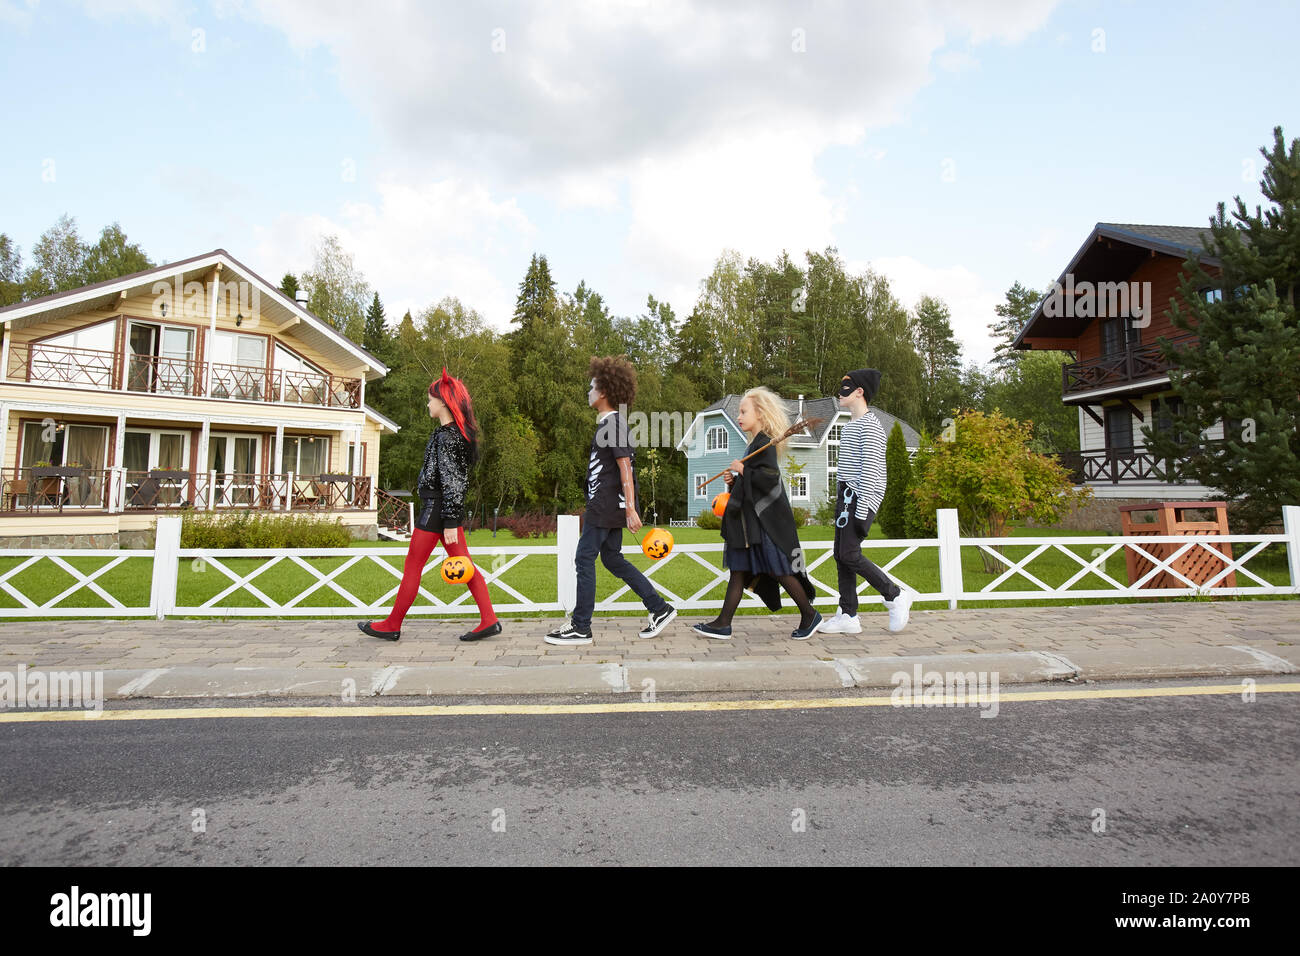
639	677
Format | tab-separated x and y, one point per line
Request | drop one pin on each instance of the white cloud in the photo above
969	299
418	244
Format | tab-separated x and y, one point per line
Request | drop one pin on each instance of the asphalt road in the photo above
1182	781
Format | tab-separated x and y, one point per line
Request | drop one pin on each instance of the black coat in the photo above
758	504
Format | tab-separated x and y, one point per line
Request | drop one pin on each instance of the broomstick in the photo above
802	424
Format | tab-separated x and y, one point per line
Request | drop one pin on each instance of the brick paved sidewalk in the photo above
1125	631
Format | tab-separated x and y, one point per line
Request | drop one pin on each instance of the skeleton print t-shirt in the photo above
606	505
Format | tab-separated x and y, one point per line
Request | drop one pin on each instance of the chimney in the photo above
801	406
301	297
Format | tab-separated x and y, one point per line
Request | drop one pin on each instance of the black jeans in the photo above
848	553
608	544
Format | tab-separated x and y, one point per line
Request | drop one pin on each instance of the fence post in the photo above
950	582
166	565
1291	524
566	550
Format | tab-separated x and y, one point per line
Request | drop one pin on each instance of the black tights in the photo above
736	590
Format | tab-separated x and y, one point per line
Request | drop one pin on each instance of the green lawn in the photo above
534	576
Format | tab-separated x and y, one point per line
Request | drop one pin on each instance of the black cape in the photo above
758	503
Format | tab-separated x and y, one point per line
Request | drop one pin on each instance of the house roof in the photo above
276	307
383	420
827	409
1110	254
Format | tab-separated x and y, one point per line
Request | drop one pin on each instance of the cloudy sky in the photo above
954	146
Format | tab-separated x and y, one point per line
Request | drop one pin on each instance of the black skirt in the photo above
428	515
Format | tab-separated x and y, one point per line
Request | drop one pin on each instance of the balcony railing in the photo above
1134	364
111	490
95	368
1133	464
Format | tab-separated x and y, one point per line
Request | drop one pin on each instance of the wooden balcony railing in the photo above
1135	363
1118	465
35	491
94	368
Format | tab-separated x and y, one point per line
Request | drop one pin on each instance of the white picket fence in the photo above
494	563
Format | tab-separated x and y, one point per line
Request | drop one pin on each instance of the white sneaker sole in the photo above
841	628
565	641
716	637
647	634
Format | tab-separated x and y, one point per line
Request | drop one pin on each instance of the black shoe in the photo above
803	633
365	628
568	635
710	629
490	631
658	622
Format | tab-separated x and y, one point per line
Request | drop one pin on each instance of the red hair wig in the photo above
453	393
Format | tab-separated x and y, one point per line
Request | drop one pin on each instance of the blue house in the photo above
808	460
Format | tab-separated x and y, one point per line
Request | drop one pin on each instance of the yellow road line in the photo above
637	707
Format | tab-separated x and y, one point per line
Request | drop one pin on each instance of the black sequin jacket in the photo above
445	474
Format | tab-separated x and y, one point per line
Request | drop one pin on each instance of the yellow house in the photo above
195	385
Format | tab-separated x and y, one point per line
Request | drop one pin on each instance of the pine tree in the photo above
898	478
1012	316
289	285
940	359
1243	369
376	333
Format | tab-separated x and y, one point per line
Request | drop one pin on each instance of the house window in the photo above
836	431
69	445
799	487
1119	430
300	380
160	358
238	366
1117	335
1212	295
305	455
80	357
701	490
716	439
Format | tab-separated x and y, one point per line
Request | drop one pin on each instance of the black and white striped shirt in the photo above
862	462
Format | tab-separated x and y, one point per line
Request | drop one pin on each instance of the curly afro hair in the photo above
614	376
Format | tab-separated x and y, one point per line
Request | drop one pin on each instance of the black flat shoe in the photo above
490	631
365	628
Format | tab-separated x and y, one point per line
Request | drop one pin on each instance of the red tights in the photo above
417	555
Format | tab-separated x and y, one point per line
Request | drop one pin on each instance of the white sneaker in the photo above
842	623
899	610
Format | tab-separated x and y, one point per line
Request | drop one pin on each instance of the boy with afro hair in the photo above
611	505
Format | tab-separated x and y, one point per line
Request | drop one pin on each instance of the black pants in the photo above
848	553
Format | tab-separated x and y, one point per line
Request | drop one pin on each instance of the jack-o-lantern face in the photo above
457	570
720	503
657	544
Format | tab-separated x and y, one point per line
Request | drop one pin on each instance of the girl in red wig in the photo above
452	450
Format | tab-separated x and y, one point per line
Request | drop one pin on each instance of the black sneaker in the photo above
658	622
568	635
710	630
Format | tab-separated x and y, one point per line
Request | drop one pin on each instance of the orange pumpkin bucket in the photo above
720	503
457	570
657	544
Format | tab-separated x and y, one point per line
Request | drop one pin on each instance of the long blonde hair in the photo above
768	411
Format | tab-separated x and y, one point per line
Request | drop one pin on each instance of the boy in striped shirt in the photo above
858	494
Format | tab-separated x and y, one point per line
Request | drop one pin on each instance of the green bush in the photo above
708	521
825	513
250	529
800	516
898	478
